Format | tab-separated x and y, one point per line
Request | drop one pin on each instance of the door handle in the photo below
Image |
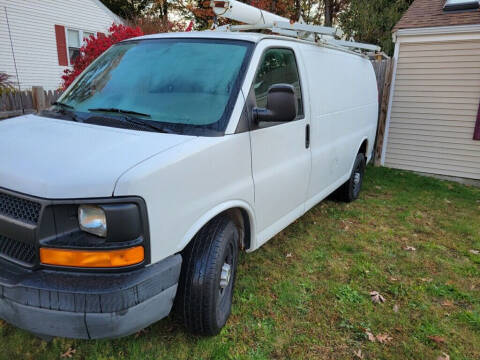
307	136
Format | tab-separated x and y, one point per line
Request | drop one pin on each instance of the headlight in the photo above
92	219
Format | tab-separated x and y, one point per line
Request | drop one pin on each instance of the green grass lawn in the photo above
306	293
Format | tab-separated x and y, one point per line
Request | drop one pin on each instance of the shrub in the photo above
5	82
96	46
155	24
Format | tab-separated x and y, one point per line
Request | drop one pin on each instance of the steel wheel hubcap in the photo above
356	178
225	276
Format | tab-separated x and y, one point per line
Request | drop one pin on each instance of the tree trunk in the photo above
273	6
164	10
328	6
298	10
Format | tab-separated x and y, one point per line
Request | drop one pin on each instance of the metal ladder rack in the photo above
257	20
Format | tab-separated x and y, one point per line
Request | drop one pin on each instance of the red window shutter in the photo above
476	132
61	45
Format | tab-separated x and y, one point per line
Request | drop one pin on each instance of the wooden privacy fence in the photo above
26	102
383	72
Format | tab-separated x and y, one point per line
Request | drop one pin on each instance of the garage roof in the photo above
430	13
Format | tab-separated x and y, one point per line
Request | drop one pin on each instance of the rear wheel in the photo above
349	191
207	281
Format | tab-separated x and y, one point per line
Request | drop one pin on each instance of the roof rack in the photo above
257	19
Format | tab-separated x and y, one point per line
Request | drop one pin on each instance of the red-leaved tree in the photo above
96	46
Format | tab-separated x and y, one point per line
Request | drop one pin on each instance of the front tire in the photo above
207	280
349	191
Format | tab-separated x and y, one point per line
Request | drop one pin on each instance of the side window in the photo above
278	66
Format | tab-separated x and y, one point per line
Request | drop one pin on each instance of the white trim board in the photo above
441	33
439	30
390	101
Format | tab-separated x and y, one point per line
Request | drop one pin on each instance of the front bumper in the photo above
87	305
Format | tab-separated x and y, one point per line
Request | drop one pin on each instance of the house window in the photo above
75	40
451	5
86	35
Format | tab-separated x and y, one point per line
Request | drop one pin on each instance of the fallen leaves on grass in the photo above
396	308
384	338
370	336
346	224
475	252
376	297
409	248
358	354
381	338
437	339
68	354
443	357
426	279
447	303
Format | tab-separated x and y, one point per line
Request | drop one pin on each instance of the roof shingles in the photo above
429	13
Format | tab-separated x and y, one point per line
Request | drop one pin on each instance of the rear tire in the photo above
207	280
349	191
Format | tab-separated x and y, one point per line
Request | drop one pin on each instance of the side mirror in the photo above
281	105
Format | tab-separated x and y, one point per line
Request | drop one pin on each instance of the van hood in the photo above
61	159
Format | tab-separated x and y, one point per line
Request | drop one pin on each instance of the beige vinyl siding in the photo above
434	109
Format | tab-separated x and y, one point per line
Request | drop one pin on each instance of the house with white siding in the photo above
433	120
40	38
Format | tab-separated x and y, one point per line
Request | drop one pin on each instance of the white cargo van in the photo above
166	158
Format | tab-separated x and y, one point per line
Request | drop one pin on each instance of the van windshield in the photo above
189	82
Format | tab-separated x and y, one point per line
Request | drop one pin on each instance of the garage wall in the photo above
434	108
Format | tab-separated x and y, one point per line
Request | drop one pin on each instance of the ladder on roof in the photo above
257	19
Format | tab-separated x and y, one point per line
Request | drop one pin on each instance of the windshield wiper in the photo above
66	109
63	105
141	122
135	120
120	111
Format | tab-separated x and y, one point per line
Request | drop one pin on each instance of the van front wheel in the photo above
349	191
207	280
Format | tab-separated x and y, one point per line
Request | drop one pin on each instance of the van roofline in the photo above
212	34
234	35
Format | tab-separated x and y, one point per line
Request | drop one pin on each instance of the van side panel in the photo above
344	107
187	186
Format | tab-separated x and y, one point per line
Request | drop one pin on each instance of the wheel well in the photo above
363	148
242	221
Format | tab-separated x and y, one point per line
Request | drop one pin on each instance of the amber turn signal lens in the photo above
92	258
